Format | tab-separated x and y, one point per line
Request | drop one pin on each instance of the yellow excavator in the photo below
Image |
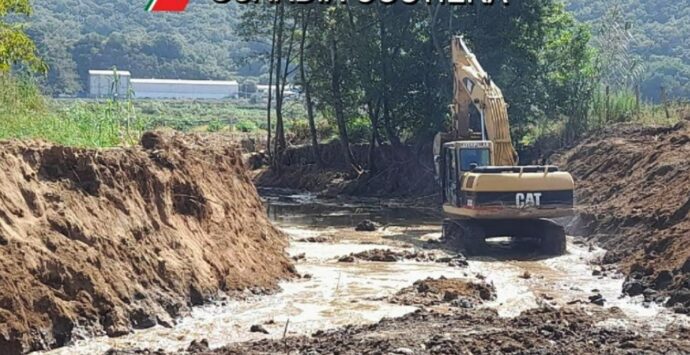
485	193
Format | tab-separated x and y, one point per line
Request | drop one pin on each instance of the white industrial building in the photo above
102	83
184	89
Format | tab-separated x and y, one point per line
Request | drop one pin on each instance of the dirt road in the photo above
539	305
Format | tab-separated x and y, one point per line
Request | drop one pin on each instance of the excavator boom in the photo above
473	85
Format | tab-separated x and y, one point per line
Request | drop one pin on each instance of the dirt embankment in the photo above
95	242
633	187
404	172
478	331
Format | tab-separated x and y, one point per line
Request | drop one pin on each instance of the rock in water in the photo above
366	226
198	346
347	259
257	328
597	299
633	288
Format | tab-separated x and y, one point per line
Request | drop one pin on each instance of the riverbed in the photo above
334	294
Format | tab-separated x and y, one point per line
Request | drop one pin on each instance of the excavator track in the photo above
470	235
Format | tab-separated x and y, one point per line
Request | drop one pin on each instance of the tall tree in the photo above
270	83
306	86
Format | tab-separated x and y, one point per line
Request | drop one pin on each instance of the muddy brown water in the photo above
338	294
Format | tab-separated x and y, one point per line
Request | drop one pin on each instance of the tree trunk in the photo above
374	117
338	106
280	129
307	93
284	80
270	84
385	65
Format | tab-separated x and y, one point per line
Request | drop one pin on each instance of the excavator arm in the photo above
473	85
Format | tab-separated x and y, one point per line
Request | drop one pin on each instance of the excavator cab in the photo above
459	158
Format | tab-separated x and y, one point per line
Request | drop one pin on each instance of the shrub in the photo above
246	126
215	125
359	129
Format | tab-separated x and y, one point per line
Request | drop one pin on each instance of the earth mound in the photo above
456	292
102	241
633	188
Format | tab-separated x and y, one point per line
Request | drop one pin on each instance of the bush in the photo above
300	131
215	125
246	126
359	129
324	129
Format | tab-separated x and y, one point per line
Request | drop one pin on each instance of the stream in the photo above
337	294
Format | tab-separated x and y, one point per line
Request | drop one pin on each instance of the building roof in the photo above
183	82
109	72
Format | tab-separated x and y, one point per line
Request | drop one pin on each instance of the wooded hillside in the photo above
662	39
74	36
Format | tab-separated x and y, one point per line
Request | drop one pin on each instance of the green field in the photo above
25	113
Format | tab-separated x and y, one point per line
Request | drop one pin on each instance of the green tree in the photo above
15	45
392	64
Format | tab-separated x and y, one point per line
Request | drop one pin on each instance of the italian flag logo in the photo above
167	5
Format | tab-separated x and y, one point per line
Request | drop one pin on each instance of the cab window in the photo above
481	157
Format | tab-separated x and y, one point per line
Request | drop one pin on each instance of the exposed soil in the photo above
391	256
103	241
633	187
455	292
633	194
479	331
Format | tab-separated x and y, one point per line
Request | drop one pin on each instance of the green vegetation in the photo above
660	38
187	115
15	45
375	73
383	73
26	114
74	36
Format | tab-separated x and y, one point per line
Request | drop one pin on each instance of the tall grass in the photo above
26	114
623	106
619	106
604	111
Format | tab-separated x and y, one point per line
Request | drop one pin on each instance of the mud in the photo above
482	331
391	256
97	242
633	189
489	306
454	292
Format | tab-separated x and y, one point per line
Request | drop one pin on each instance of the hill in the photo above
662	32
74	36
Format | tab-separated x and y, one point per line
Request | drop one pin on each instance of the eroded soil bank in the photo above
633	188
104	241
406	171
